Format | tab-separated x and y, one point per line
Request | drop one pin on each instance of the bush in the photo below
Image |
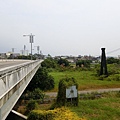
112	69
32	104
112	60
37	94
41	115
115	77
41	80
49	63
63	62
84	63
63	84
57	114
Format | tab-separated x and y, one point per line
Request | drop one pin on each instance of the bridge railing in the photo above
13	81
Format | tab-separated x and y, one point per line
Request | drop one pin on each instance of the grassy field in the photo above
106	108
86	80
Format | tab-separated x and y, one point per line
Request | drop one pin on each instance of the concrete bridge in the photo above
15	75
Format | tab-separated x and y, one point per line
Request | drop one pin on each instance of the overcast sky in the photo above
61	27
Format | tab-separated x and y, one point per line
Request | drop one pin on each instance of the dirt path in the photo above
54	94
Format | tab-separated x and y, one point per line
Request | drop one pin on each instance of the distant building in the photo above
24	52
3	55
12	55
8	54
74	59
118	56
16	54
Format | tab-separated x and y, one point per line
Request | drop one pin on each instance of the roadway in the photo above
8	63
54	94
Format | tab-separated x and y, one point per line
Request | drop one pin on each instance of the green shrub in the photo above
63	84
112	69
41	115
84	63
56	114
115	77
63	62
37	94
49	63
41	80
112	60
32	104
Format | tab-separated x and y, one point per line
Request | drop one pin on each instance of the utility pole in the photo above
31	41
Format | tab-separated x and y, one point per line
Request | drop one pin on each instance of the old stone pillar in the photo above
103	70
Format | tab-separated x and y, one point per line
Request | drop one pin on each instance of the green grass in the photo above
85	79
105	108
99	109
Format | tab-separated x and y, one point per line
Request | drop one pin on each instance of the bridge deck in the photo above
9	63
7	66
15	75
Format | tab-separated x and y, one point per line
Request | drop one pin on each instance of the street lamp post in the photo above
31	41
38	49
13	50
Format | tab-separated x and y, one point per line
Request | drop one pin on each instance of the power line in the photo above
113	51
